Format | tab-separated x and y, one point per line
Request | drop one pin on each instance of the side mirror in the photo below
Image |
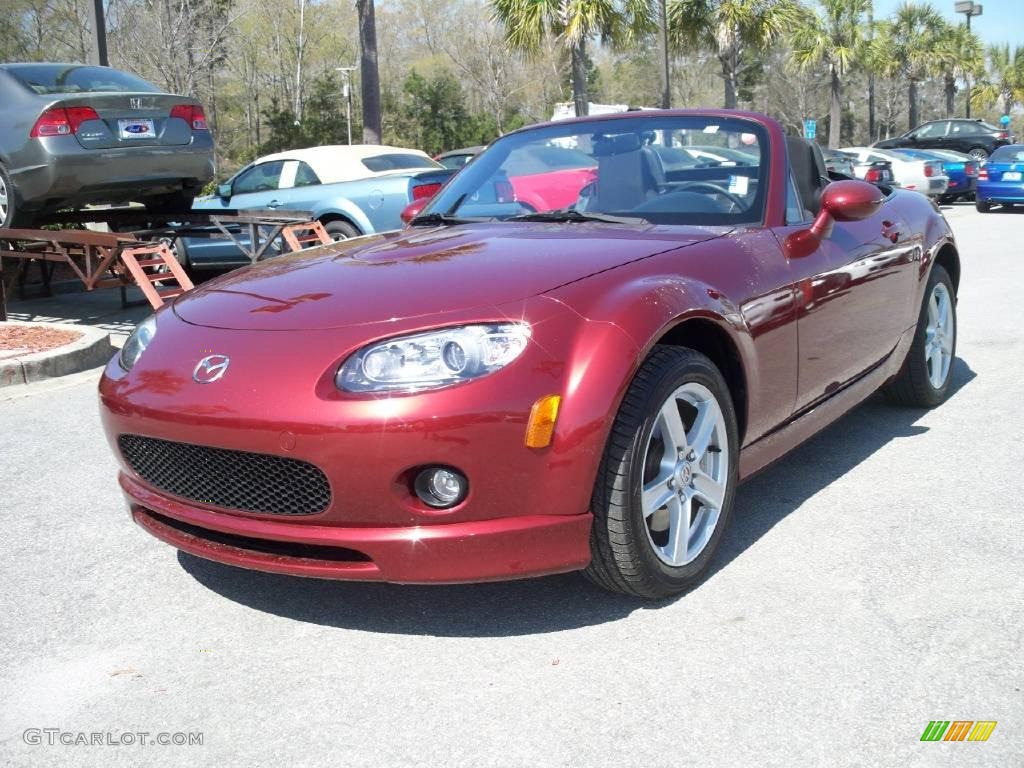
848	200
911	137
224	191
413	209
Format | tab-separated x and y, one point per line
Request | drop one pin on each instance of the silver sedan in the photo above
73	135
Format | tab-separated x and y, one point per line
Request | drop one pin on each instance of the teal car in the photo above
352	190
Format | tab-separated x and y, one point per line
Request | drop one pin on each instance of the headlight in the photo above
137	343
434	359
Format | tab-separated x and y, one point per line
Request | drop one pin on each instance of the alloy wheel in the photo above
4	203
939	335
685	474
979	154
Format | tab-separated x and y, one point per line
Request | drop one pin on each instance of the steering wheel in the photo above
737	202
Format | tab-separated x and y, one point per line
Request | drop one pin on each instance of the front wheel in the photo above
924	380
667	480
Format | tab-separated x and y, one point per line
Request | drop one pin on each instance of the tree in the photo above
960	56
913	36
618	22
1003	85
729	28
833	36
369	77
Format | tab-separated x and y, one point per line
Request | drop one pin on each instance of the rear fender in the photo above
344	208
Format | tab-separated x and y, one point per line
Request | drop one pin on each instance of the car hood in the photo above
419	272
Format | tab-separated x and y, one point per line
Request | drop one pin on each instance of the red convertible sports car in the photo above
498	392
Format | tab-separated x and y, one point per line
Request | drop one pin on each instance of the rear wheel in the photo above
924	379
982	206
667	480
979	153
340	230
11	214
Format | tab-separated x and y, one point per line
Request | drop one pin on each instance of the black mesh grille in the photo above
249	482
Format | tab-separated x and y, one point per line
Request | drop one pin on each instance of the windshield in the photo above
61	78
660	169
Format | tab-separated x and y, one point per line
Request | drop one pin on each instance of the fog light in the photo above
441	488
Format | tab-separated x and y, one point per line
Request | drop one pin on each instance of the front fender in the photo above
621	328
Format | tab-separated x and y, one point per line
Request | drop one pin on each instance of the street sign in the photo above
810	128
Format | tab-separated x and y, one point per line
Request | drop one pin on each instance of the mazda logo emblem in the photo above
210	368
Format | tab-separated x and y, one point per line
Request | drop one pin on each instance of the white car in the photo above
926	176
344	162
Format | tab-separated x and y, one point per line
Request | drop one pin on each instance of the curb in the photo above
92	350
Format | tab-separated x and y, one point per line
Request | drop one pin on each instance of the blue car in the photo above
961	169
352	190
1002	179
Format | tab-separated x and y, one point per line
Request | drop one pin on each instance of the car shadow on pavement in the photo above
555	603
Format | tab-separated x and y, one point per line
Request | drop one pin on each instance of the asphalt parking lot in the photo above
871	582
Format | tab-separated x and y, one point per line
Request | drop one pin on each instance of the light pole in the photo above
666	93
968	8
99	33
346	90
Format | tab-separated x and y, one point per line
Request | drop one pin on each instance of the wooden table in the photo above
92	256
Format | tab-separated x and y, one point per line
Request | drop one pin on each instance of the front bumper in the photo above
486	550
527	511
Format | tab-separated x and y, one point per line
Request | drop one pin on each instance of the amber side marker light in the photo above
541	426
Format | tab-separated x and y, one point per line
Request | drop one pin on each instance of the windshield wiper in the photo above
434	219
572	215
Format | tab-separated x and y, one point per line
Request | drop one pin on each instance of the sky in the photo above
1001	21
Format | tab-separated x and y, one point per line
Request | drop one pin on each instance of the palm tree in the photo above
368	76
728	28
1004	83
915	32
573	22
831	35
960	56
883	65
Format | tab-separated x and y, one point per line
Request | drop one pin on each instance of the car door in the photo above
933	135
256	186
852	293
299	186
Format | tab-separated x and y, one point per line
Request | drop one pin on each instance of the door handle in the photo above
890	231
274	204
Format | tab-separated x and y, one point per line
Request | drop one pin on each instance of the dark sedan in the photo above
73	135
972	137
456	158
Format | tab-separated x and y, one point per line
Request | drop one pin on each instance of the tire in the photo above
632	549
917	385
11	213
947	199
978	153
340	230
982	206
